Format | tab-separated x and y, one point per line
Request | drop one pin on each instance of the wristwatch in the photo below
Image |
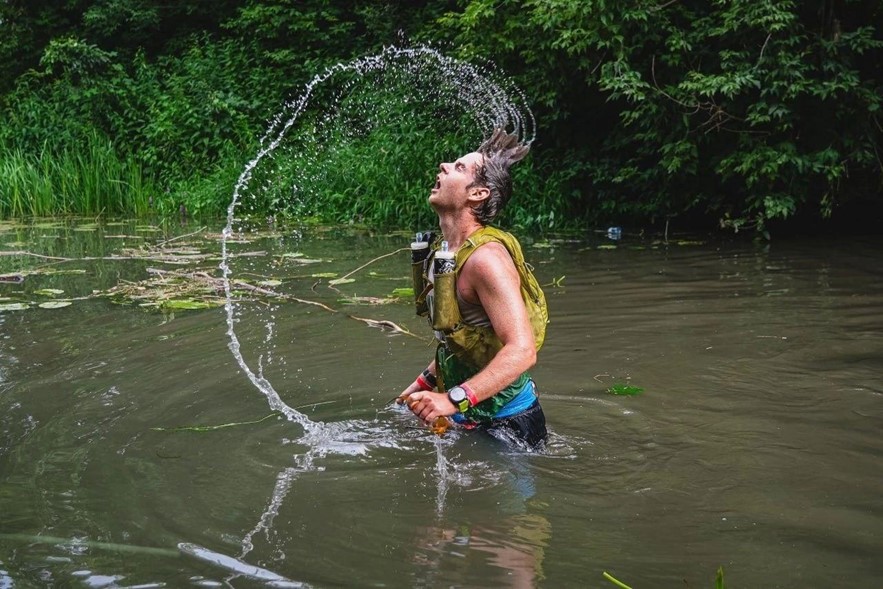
457	397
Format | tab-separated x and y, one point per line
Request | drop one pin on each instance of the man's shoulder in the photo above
489	259
489	253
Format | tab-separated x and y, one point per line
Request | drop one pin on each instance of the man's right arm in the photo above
419	384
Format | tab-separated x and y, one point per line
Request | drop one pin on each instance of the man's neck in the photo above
457	228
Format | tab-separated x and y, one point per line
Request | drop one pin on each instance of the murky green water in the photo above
755	445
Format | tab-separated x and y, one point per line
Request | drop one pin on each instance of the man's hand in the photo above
429	406
403	396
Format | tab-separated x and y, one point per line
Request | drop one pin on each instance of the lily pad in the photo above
625	389
54	304
403	292
49	292
13	306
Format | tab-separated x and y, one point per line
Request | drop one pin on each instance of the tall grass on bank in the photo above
91	180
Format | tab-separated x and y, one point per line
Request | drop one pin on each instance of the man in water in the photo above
480	367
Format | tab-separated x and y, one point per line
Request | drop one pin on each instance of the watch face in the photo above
457	395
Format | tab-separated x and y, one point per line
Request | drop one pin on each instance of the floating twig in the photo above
385	324
33	255
208	428
402	249
162	243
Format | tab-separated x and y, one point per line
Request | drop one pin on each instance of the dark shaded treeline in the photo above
736	113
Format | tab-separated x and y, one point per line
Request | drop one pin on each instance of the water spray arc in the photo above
460	85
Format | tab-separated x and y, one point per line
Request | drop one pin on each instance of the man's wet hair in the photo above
498	152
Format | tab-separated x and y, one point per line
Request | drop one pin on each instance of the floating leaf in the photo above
324	275
49	292
543	245
690	242
337	281
293	255
13	306
403	292
624	389
607	246
187	304
54	304
271	282
615	581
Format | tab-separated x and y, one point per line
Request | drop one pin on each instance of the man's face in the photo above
450	190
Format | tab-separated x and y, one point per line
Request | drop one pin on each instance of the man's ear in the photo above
478	194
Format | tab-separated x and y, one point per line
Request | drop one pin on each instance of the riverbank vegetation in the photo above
733	114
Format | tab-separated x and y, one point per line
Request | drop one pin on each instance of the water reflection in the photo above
510	552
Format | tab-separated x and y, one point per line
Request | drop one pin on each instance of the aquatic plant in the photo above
90	179
624	389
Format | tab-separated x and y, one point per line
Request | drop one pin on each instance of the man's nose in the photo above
443	167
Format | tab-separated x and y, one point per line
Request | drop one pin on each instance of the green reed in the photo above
92	179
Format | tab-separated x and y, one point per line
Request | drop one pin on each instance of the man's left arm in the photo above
490	278
491	275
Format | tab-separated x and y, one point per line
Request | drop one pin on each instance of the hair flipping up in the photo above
498	152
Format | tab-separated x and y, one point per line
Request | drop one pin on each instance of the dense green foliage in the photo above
732	112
